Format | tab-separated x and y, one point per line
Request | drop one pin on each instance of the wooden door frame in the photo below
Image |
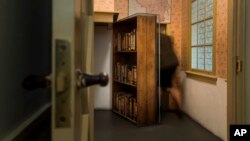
236	47
70	18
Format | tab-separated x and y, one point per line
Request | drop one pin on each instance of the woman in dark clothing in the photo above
169	63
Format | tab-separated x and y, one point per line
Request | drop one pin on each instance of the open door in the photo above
72	39
239	78
242	78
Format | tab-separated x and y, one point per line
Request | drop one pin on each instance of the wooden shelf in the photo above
134	58
128	84
118	52
105	17
128	118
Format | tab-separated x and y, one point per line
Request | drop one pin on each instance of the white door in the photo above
72	102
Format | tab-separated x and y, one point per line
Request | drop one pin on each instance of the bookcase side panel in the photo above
141	70
151	70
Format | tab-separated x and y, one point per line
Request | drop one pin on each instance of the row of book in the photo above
126	41
126	104
125	73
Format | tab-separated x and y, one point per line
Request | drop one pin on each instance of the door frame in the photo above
70	18
236	113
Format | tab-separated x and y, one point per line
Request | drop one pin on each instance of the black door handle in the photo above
33	82
86	80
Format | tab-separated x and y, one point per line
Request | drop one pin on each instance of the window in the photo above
202	47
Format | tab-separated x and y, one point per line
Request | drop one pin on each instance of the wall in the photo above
103	51
25	44
102	63
204	102
104	5
159	7
174	28
221	38
207	103
122	7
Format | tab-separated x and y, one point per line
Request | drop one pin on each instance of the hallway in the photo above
111	127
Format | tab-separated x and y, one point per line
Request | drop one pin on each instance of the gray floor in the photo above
111	127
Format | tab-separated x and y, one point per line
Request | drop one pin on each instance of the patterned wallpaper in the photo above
183	34
221	38
103	5
174	28
122	7
160	7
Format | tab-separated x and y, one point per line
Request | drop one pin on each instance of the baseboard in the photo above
102	109
23	130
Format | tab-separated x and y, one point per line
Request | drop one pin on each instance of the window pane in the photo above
201	35
209	32
209	58
201	58
194	58
209	8
194	12
201	8
194	34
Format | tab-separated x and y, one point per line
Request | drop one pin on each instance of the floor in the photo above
111	127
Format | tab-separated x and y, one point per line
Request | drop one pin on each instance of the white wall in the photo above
102	63
207	104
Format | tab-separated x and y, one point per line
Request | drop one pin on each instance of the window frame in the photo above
204	73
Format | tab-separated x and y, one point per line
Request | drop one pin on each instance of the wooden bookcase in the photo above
134	94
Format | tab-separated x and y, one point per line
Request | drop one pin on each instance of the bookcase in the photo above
134	85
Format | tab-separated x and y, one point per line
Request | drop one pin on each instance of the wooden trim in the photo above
212	79
236	46
231	118
214	36
239	48
105	16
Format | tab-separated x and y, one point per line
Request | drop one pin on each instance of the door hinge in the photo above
238	65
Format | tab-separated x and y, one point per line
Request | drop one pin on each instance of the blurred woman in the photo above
169	64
